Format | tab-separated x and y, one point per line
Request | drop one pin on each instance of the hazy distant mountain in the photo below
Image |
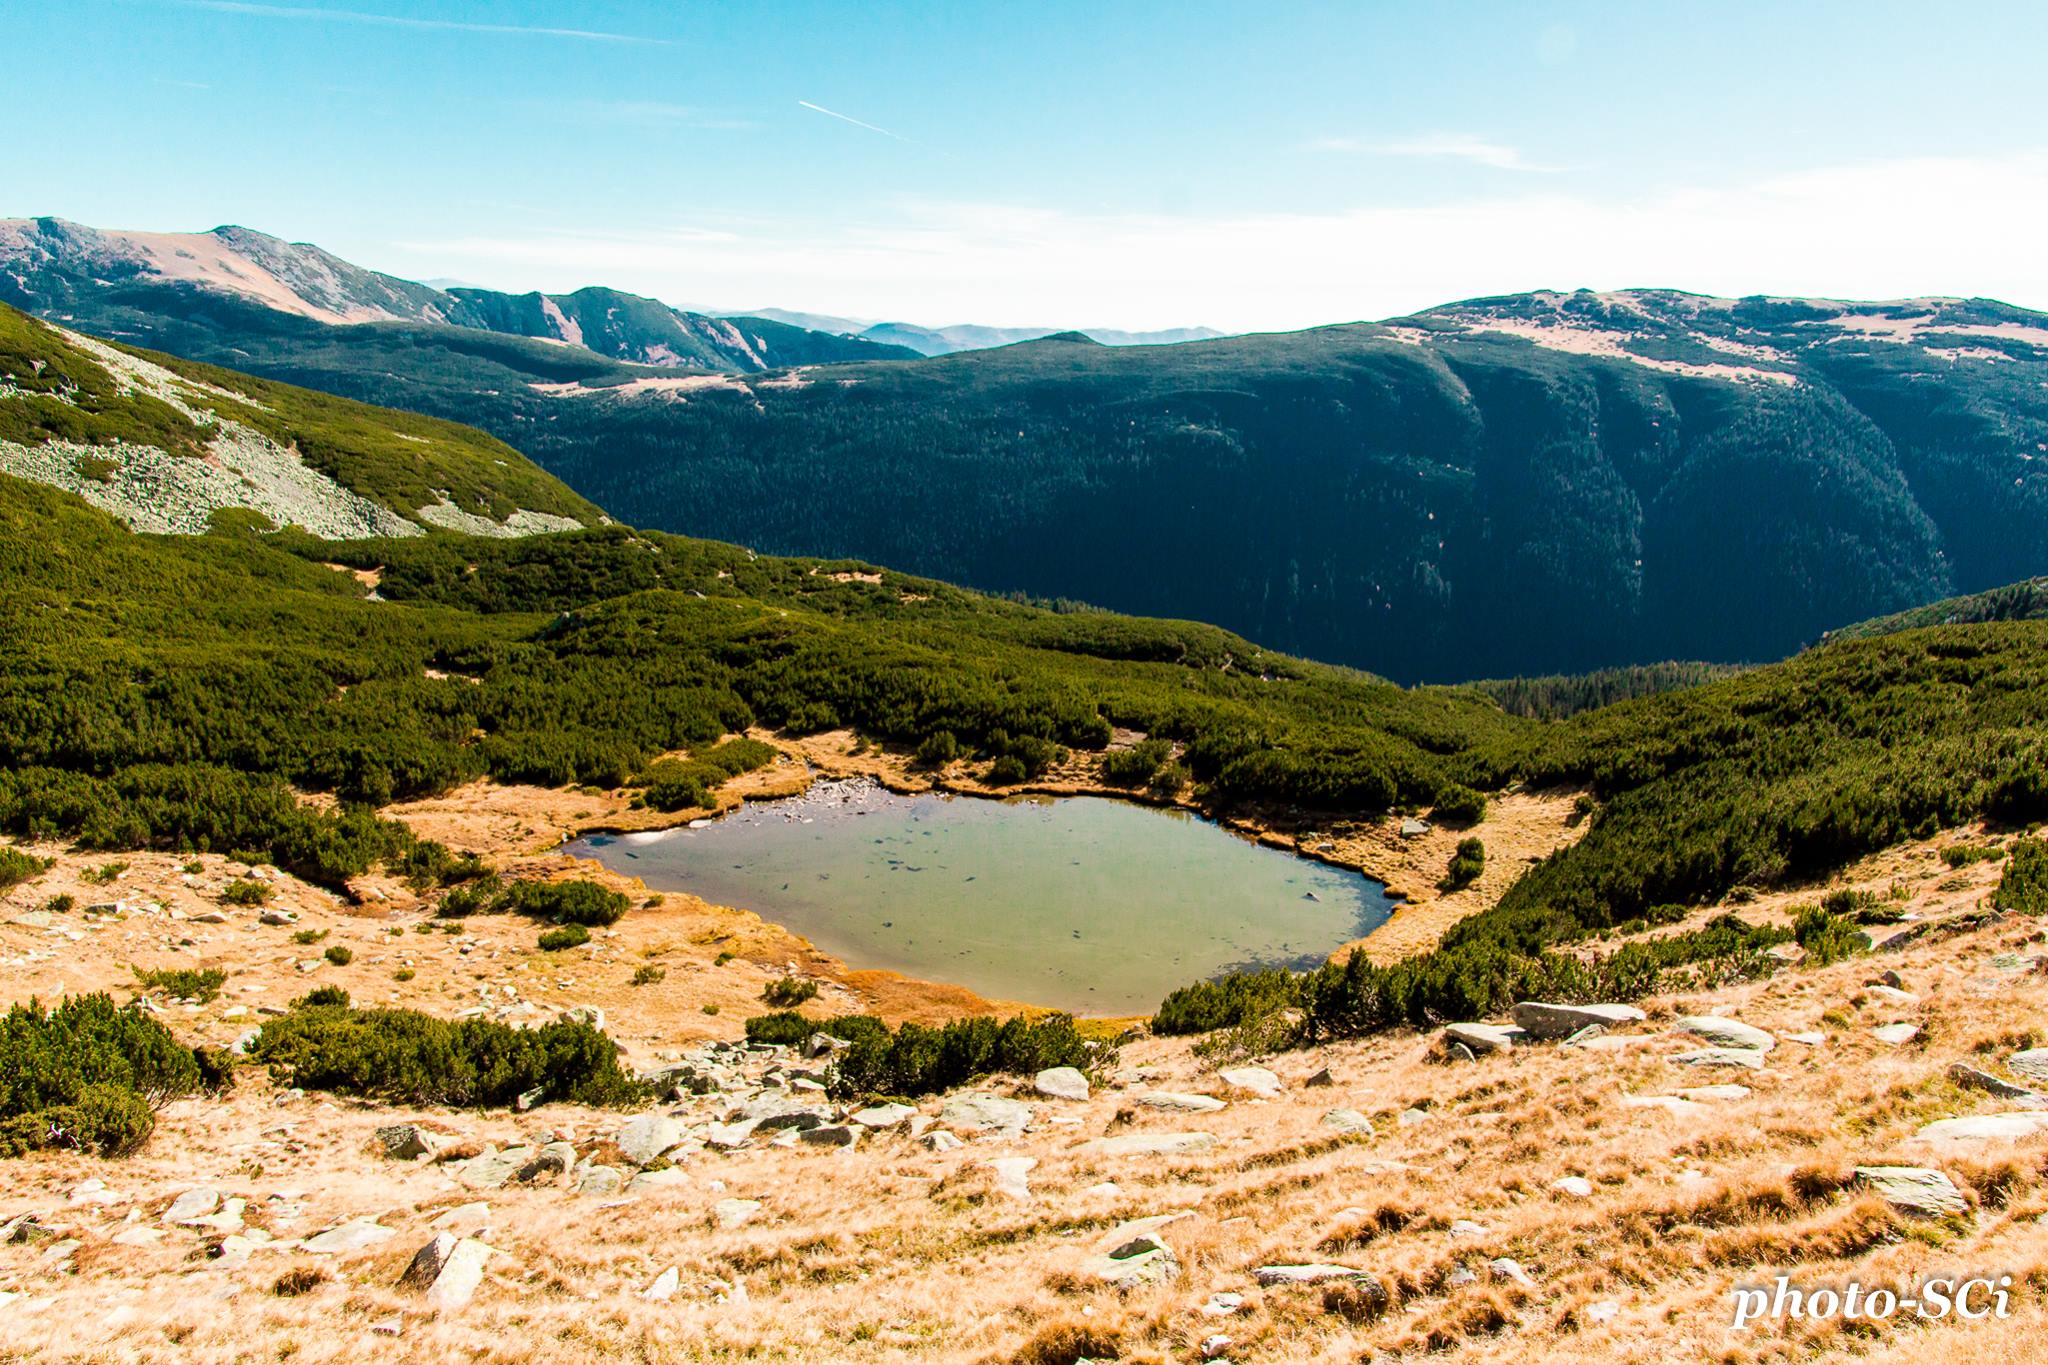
48	265
930	341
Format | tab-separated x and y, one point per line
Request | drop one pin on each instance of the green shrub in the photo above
1167	782
1006	771
937	750
788	1028
1466	865
1963	855
1458	805
322	995
406	1057
1827	937
306	938
1137	765
788	992
17	867
2024	885
339	955
61	904
428	864
245	891
564	936
570	902
104	874
915	1060
88	1074
465	901
184	983
404	974
648	974
1226	1002
688	785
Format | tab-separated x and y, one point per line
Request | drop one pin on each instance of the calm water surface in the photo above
1080	903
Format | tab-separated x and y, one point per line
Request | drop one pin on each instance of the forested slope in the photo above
1536	484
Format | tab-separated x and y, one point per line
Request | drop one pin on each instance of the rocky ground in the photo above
1600	1198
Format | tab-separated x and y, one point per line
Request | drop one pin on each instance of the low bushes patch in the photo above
89	1075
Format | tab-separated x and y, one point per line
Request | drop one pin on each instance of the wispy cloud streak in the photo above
349	16
1441	146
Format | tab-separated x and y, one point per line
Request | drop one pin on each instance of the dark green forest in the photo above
1430	501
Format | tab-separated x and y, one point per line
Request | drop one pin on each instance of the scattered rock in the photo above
1810	1038
598	1179
1466	1227
1603	1311
1916	1190
1895	1035
664	1287
985	1114
460	1275
1670	1104
1321	1078
1011	1175
1149	1144
1715	1094
193	1203
2033	1064
1143	1259
1223	1305
1214	1346
1970	1078
1548	1022
426	1264
490	1169
1577	1186
879	1116
1411	1117
549	1163
1175	1102
1482	1038
1726	1033
1256	1079
831	1135
1977	1127
1305	1274
465	1218
1891	995
358	1234
1752	1058
939	1140
1061	1083
732	1213
1413	828
1347	1121
646	1136
1509	1271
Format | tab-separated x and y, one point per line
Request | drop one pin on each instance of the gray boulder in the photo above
1482	1038
1987	1127
358	1234
1970	1078
1308	1273
985	1114
832	1135
1061	1083
1347	1121
1149	1144
1256	1079
1143	1259
646	1136
1917	1190
1549	1022
1726	1032
2033	1064
407	1141
595	1178
1748	1057
1177	1103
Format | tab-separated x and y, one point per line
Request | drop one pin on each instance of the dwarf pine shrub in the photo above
406	1057
89	1074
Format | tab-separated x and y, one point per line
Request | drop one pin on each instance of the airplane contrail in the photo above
848	118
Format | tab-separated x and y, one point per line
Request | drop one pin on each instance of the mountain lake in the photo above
1086	904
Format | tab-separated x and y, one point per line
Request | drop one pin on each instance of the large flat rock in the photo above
1723	1032
1549	1022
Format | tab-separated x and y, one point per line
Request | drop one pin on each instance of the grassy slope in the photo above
399	459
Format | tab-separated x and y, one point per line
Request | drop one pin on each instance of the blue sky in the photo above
1109	163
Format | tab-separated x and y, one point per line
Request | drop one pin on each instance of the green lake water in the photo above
1079	903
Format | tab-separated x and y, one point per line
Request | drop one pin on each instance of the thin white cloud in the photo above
1441	147
848	118
349	16
1873	230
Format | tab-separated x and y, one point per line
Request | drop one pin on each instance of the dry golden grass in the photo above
890	1252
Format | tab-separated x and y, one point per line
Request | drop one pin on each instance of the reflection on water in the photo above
1092	905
